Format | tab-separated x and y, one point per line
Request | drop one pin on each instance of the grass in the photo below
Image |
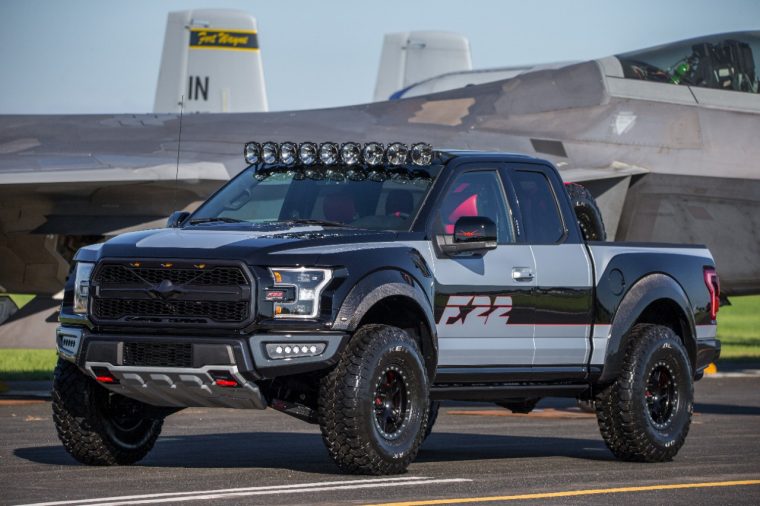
739	329
26	365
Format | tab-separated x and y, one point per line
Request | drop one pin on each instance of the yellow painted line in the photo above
573	493
711	369
230	30
221	48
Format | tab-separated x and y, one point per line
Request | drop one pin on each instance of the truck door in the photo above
482	305
563	295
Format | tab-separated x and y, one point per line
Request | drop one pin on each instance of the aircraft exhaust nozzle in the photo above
411	57
212	58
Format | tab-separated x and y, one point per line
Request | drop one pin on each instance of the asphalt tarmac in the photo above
476	453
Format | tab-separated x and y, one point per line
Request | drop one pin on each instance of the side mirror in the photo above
176	219
473	235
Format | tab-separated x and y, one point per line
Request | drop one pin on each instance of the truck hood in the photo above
255	245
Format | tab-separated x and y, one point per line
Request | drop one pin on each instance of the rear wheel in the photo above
98	427
373	407
645	414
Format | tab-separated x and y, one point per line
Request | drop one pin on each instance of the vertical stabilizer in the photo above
211	57
411	57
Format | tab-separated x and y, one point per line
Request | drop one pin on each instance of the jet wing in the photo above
614	171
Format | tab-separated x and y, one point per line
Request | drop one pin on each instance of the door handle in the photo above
522	274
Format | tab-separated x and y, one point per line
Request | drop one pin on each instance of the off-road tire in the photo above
435	406
586	212
630	416
348	402
88	428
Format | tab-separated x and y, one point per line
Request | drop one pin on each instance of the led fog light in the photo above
277	351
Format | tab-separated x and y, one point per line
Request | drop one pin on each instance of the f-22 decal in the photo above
461	308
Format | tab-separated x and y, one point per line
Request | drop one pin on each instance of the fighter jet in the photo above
665	138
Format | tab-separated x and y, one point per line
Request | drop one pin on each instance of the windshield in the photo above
378	199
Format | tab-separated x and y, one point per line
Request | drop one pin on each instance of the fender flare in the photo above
380	285
644	292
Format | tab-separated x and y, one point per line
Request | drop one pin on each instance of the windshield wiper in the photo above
222	219
325	223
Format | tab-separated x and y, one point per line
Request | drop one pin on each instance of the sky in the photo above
102	56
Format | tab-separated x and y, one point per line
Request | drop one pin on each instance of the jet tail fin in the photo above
212	58
411	57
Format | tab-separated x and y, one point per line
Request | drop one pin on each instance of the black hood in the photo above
255	245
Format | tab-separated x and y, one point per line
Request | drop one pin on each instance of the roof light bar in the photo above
397	153
307	153
422	154
252	152
371	154
328	153
288	153
350	153
269	152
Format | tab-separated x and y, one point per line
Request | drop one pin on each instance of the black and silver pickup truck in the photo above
356	286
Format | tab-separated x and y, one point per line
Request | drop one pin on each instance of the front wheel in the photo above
646	413
373	407
96	426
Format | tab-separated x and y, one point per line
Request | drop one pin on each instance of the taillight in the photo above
713	287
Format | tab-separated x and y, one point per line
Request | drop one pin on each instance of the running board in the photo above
490	393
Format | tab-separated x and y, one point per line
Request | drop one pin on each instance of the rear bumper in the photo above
184	371
708	351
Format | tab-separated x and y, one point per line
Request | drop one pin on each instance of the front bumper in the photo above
184	371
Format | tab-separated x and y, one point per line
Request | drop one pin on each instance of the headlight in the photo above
82	286
296	292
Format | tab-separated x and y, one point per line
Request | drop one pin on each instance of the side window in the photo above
475	194
538	206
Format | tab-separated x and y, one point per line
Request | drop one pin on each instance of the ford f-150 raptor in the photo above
356	286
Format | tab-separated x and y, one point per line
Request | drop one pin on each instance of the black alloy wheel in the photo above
391	403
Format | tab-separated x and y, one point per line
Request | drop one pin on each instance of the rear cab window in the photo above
540	214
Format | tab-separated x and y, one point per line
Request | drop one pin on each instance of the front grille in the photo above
158	354
171	293
115	309
121	274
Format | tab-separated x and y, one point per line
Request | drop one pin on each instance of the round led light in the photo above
328	153
422	154
308	152
252	152
278	349
350	153
397	153
288	153
373	153
269	152
287	349
304	349
313	349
